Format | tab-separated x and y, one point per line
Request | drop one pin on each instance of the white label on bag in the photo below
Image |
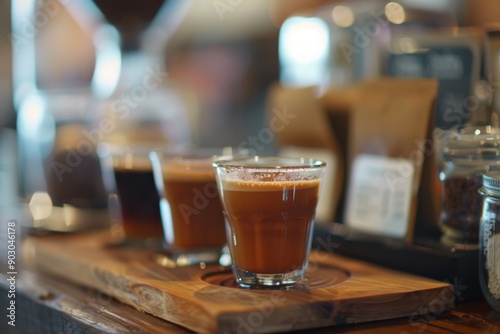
379	195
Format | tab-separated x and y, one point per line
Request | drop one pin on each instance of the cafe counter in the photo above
50	305
83	283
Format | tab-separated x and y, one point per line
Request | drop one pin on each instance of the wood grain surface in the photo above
337	290
50	305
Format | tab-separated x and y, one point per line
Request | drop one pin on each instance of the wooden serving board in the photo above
336	290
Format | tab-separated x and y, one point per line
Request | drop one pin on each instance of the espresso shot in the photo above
269	205
139	203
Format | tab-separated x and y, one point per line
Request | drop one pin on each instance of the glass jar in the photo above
489	243
468	153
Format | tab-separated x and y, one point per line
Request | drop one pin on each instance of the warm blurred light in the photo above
408	45
434	5
40	205
108	61
225	260
395	13
343	16
305	40
33	109
129	160
304	45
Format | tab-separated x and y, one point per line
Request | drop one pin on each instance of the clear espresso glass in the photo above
269	204
191	209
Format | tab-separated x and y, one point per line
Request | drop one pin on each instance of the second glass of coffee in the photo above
190	206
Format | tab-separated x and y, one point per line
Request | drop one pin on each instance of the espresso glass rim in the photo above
272	163
136	149
196	154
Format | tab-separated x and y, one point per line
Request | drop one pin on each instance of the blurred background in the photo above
223	52
74	73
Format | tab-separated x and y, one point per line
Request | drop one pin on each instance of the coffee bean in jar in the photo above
461	210
468	153
489	240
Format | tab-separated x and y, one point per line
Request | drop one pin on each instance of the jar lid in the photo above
491	181
472	143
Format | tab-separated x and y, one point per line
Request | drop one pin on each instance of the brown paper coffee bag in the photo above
391	157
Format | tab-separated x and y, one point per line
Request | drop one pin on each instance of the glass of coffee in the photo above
191	210
269	204
134	199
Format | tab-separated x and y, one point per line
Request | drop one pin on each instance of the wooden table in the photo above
49	304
